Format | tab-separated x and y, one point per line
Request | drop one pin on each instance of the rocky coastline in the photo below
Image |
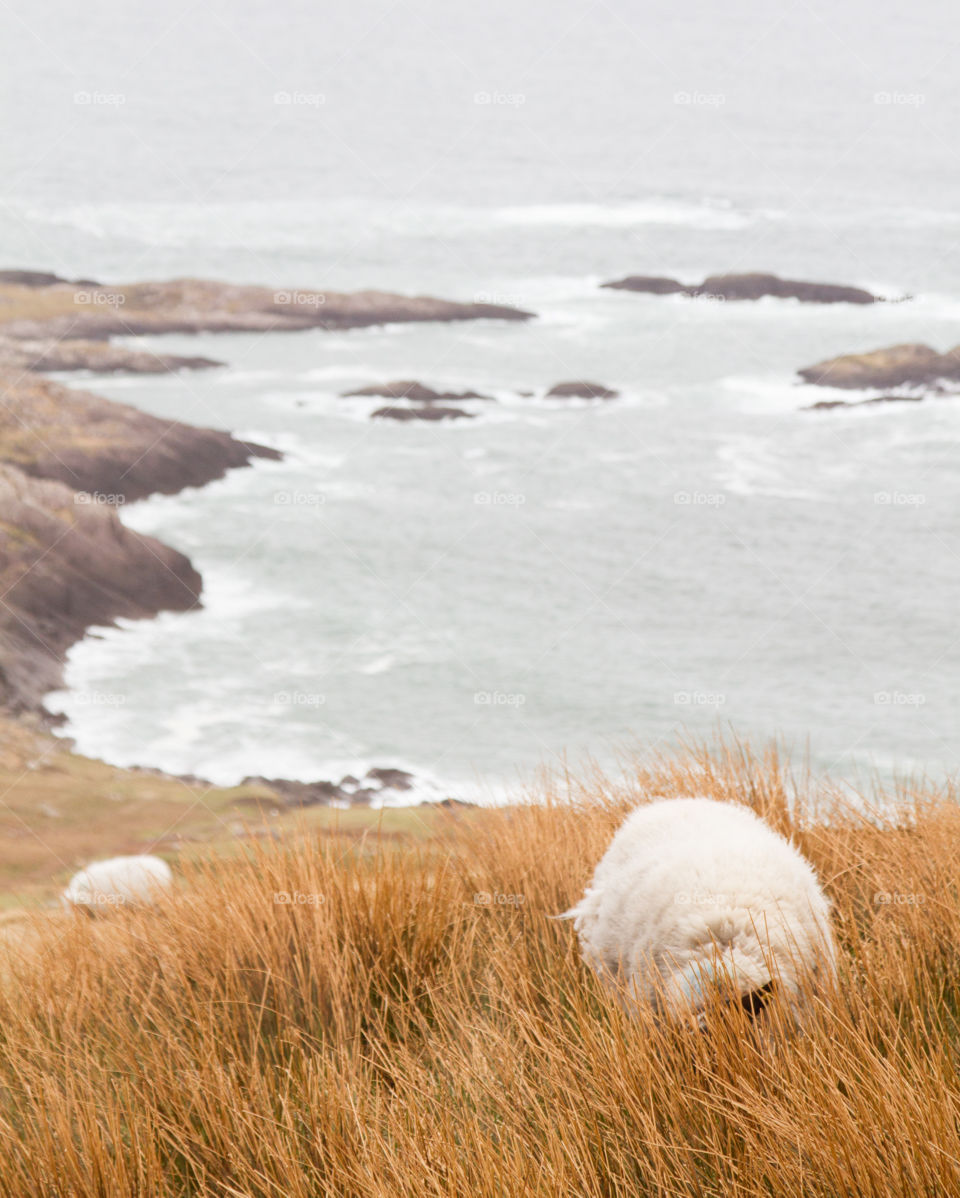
70	460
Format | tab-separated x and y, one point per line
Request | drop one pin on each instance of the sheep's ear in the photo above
571	914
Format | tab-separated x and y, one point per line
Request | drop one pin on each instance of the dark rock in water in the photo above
894	366
412	390
652	284
756	286
580	390
40	278
751	286
392	779
423	412
827	404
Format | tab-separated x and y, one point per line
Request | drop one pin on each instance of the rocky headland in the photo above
54	310
67	562
94	445
750	286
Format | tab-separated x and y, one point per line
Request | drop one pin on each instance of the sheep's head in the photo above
717	977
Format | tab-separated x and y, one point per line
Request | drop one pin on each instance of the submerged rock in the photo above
580	390
827	404
421	412
894	366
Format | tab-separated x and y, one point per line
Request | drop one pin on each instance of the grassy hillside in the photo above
59	811
305	1020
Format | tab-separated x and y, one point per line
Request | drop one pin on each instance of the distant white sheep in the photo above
693	894
117	882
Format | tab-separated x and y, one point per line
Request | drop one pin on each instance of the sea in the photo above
554	581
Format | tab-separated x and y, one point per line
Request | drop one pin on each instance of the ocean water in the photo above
551	579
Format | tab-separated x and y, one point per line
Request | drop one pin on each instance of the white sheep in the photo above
119	881
694	897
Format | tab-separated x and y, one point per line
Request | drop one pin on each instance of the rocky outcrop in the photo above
650	284
92	444
580	390
40	278
427	411
99	356
412	390
751	286
895	366
376	783
64	309
65	565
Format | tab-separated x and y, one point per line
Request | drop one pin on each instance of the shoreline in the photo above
71	459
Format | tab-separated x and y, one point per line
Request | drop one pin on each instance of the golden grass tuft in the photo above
413	1022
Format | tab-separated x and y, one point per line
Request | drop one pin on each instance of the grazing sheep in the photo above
119	881
694	896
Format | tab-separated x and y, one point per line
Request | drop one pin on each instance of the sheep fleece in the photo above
690	888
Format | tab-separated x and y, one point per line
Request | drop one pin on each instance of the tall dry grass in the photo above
394	1033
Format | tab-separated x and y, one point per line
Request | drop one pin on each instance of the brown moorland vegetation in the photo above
307	1019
